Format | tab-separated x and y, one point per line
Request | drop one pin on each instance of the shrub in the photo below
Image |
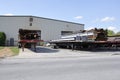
2	38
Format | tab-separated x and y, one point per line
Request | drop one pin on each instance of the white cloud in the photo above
9	14
107	19
78	17
113	28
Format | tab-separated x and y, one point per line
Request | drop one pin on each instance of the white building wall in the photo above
11	25
50	28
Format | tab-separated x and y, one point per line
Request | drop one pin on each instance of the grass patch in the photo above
15	50
8	51
1	47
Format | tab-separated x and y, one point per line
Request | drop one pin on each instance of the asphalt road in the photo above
83	68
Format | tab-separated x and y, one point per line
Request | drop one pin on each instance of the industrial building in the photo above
49	29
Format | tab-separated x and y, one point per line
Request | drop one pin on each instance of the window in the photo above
31	19
66	32
30	24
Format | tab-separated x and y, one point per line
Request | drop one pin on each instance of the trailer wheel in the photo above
54	46
19	45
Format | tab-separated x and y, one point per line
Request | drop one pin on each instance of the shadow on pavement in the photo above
100	50
44	50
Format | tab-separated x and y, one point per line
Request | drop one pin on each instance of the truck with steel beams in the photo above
87	39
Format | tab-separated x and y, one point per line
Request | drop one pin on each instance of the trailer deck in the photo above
87	45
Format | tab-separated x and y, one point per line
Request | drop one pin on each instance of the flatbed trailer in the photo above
92	45
29	38
32	42
87	39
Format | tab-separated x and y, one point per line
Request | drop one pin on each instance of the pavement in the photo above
80	68
47	52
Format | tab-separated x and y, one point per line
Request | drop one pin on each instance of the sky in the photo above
93	13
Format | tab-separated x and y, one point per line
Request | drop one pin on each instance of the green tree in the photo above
110	33
2	38
118	33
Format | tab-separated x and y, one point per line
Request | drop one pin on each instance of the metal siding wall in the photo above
50	29
11	25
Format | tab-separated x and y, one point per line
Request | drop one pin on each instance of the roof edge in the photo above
40	17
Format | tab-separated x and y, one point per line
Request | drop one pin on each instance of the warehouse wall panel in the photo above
50	28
